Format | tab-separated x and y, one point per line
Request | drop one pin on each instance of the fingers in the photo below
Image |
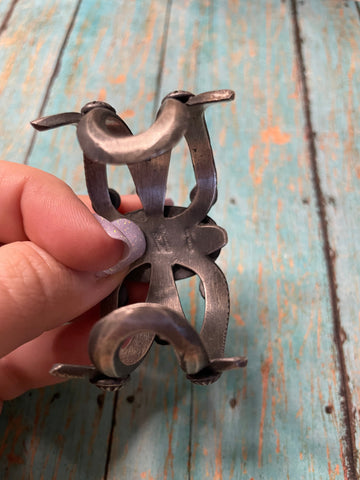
38	293
129	203
51	244
136	291
39	207
28	366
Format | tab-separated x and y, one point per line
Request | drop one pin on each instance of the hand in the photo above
52	248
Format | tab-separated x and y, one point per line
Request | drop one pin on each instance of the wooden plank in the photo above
6	10
57	432
333	75
112	54
28	55
33	444
271	420
153	417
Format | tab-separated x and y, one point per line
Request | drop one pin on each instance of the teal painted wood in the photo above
153	422
33	443
28	54
268	421
113	55
335	99
5	7
59	432
130	85
151	435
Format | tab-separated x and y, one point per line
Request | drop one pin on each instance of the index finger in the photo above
39	207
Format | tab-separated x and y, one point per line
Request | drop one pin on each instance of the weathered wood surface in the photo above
334	96
287	198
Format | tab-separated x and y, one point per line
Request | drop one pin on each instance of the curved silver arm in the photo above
99	135
115	352
110	342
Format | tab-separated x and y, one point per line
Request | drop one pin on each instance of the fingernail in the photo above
133	238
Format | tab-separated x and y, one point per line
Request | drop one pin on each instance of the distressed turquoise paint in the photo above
112	55
125	76
28	54
57	432
35	444
269	420
153	417
4	8
335	99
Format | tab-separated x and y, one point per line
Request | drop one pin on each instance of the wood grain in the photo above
28	55
283	416
57	432
62	425
6	10
334	97
113	55
261	423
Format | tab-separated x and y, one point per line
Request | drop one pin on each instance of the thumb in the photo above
38	293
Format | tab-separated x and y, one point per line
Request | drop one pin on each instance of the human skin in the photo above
52	250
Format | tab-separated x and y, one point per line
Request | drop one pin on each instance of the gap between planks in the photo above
357	6
158	84
8	16
350	451
111	436
53	77
159	76
329	254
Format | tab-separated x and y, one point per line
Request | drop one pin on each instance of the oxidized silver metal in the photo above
179	241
